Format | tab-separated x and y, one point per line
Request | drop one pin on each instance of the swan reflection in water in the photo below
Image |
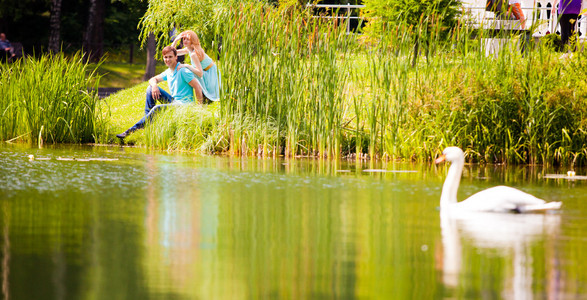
510	236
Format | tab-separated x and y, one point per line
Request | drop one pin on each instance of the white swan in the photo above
496	199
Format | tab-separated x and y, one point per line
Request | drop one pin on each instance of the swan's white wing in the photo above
542	207
500	199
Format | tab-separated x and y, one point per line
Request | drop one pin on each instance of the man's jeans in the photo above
151	107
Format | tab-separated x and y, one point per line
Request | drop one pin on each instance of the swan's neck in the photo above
451	183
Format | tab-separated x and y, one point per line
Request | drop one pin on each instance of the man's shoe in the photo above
122	135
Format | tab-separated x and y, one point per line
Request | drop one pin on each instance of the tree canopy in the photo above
201	16
28	22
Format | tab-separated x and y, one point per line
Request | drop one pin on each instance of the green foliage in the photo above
286	5
552	41
121	19
49	99
417	18
205	17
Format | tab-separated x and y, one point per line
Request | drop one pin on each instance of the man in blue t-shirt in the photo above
182	84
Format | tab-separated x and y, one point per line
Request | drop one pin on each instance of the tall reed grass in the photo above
294	85
288	75
48	100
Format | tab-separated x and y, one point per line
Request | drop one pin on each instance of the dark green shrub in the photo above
552	41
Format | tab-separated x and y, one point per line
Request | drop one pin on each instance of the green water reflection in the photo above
152	225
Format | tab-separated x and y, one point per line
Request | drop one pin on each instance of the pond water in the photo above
127	223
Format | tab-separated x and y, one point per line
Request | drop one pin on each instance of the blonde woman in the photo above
201	65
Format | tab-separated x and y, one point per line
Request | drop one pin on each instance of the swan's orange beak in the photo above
440	159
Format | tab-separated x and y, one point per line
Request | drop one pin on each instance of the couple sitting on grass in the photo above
200	79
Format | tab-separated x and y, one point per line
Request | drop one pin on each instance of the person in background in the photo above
201	64
515	9
5	46
182	84
568	14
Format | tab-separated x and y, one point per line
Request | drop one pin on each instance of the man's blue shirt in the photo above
5	44
178	81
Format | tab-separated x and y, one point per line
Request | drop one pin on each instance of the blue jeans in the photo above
151	107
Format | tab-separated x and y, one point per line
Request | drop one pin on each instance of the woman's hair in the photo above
169	49
196	42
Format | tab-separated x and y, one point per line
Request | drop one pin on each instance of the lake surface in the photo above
127	223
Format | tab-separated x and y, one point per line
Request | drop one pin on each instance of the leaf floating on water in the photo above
81	159
65	158
103	159
388	171
32	157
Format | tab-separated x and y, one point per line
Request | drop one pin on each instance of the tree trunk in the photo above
151	49
55	26
93	44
